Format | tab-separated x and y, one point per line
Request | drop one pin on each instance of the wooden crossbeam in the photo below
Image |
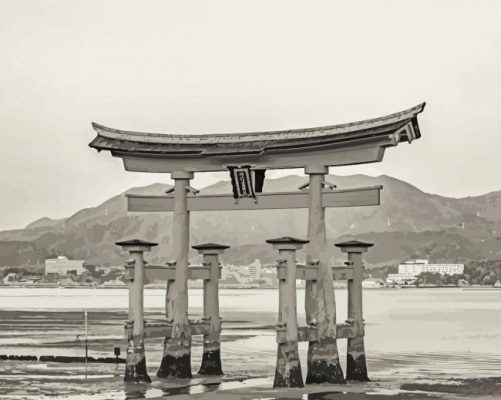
159	328
366	196
154	273
342	273
310	272
310	333
167	272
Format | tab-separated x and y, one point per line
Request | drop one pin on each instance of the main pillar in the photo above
320	305
211	359
356	365
135	369
288	369
176	360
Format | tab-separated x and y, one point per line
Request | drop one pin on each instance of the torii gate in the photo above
313	149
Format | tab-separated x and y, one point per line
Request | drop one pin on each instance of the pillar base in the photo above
323	363
176	362
356	364
135	369
211	362
175	367
288	370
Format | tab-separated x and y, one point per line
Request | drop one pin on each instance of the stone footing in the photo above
323	363
135	369
288	370
211	363
356	365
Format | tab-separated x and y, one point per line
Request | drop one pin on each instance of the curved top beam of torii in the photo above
345	144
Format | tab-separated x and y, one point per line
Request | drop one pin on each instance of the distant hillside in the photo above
409	223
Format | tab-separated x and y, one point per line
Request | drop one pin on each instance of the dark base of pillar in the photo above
175	367
288	370
293	379
211	363
323	363
356	365
356	369
136	372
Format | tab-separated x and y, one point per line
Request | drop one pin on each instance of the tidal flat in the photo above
421	344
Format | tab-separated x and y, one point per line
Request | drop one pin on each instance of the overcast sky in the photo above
202	67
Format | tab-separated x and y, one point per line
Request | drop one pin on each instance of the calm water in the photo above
410	333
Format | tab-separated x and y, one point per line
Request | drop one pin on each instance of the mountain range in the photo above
408	224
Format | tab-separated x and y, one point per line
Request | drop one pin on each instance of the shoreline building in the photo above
408	271
255	270
63	266
416	267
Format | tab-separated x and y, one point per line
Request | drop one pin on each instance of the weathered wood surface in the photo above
345	144
366	196
310	273
211	358
348	155
163	328
356	365
355	306
288	368
342	273
250	142
176	361
310	333
155	273
135	369
320	306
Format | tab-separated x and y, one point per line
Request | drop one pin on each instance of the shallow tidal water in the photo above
412	336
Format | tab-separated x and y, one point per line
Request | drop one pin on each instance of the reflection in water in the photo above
202	388
135	390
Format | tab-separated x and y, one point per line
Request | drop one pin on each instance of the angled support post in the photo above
288	369
320	304
135	369
176	360
211	359
356	364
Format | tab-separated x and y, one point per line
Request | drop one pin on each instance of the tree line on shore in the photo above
483	272
94	275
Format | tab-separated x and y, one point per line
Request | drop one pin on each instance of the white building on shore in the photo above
63	266
409	270
255	270
416	267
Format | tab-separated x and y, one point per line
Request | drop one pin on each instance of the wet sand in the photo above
454	356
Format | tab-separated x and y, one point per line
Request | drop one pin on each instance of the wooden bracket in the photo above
189	189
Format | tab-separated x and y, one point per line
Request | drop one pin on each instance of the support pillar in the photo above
288	369
135	369
211	359
129	273
356	365
320	305
176	360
